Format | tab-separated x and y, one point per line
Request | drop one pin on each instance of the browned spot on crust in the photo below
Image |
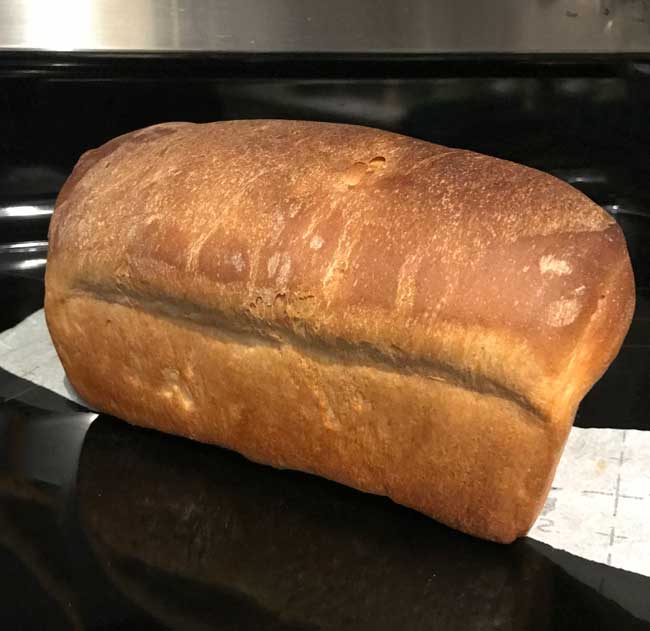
226	260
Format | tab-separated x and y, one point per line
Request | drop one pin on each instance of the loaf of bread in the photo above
407	319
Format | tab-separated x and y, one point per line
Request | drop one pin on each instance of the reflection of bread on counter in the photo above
23	502
410	320
191	531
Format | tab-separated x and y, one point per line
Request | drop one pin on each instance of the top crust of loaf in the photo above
375	246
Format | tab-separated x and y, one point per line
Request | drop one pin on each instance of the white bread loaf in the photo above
407	319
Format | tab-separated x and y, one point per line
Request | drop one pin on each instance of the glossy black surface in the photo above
104	526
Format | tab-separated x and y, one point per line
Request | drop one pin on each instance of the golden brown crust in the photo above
395	315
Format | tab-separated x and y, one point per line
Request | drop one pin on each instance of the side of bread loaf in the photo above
401	317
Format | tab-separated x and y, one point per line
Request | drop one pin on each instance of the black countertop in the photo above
105	526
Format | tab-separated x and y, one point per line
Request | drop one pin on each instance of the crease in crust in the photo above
430	159
254	331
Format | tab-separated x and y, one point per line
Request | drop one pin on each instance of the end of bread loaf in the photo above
404	318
